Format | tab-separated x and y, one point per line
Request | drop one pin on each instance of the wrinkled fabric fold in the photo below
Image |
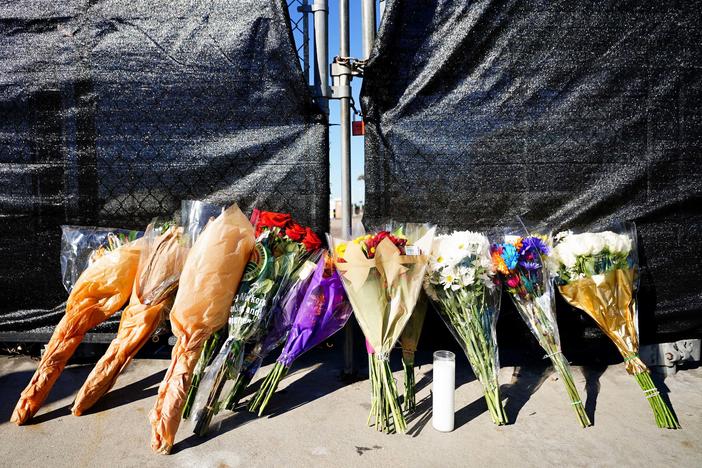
101	290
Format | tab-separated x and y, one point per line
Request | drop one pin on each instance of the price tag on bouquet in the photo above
413	250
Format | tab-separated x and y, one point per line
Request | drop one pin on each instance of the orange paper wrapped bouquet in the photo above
210	278
152	295
101	290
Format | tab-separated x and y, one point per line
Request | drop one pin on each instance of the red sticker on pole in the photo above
358	128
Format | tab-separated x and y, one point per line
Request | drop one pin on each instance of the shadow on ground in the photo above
322	380
144	388
592	388
68	383
524	383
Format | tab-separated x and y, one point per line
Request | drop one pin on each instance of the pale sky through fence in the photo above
357	169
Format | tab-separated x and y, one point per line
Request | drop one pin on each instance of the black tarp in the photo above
113	111
577	113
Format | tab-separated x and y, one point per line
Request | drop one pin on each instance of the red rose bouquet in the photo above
282	247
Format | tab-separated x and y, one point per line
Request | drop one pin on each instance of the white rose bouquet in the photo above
598	273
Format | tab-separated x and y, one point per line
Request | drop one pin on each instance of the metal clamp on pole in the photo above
318	5
347	68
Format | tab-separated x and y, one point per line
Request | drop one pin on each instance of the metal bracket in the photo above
347	66
666	357
344	66
312	8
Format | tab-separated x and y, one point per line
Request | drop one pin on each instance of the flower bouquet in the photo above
598	273
282	247
282	316
160	264
382	275
525	274
99	292
461	280
210	277
409	339
195	215
256	284
323	311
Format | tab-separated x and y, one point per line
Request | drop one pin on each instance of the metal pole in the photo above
345	111
345	121
321	60
305	42
368	26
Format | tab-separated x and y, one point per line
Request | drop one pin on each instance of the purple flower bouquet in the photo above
323	311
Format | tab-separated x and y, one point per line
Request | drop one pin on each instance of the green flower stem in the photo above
268	388
560	363
204	416
207	351
378	407
260	395
410	397
472	322
385	407
391	398
371	380
545	331
237	392
664	416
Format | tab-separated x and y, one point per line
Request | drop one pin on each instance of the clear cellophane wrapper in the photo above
282	318
538	310
82	245
471	315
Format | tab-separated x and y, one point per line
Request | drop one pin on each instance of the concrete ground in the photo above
316	420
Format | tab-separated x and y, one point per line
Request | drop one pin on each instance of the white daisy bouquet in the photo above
461	281
598	273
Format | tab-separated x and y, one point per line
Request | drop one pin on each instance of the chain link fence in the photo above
111	115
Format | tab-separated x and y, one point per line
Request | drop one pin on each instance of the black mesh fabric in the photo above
573	113
112	112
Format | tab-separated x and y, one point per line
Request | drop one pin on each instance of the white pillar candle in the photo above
443	389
